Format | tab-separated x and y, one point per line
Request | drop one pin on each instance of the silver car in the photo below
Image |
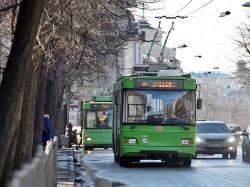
214	137
246	145
236	131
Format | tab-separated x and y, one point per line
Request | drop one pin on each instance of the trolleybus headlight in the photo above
199	139
230	139
186	141
88	139
130	140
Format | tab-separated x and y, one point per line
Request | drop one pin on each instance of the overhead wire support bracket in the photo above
160	60
152	44
175	17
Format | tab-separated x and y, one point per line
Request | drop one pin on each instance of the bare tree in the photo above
74	39
16	75
81	40
243	42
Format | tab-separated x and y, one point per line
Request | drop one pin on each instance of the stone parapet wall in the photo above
41	172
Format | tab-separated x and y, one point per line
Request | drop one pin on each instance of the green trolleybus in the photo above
97	123
154	115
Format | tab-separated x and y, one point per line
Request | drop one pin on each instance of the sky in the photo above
203	31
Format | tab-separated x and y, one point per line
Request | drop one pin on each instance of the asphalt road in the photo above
205	171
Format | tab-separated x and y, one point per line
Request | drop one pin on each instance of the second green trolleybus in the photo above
154	115
97	123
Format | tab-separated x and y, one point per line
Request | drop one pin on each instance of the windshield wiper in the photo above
172	121
134	125
177	122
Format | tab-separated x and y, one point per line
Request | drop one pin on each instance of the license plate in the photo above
215	145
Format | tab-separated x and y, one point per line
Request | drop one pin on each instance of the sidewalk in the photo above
65	167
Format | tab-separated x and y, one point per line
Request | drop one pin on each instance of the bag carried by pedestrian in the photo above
45	129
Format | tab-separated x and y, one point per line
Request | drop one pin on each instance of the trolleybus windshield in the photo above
156	106
98	118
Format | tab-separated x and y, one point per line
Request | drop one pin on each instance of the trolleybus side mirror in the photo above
199	103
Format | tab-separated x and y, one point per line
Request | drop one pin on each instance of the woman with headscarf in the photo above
69	133
46	135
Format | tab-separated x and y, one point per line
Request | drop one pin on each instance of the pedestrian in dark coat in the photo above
69	133
46	134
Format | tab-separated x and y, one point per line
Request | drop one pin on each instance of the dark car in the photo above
236	131
246	145
214	137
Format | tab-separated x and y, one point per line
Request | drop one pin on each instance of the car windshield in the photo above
237	128
212	128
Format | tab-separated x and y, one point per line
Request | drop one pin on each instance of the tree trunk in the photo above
15	78
24	152
54	96
39	109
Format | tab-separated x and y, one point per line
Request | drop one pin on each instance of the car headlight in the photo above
231	139
199	139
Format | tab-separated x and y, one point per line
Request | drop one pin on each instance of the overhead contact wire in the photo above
182	8
199	8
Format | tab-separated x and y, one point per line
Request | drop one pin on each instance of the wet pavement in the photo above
65	167
70	172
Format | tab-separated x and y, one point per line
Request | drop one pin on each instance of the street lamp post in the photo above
198	56
230	104
206	103
211	108
223	14
182	46
246	4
